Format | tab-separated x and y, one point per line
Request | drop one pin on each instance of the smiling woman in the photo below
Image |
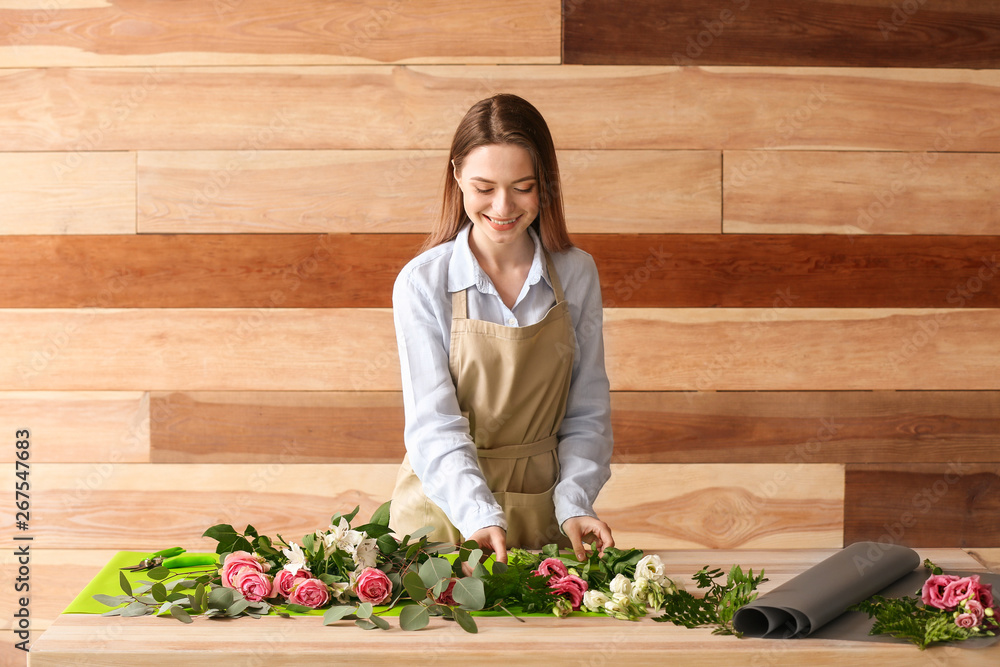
506	398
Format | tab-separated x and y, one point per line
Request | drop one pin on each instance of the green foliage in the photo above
717	606
908	618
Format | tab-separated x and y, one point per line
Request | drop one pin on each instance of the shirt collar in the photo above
464	271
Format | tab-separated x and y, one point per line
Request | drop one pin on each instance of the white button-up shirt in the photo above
440	448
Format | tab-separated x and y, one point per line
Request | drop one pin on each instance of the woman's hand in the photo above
492	539
579	527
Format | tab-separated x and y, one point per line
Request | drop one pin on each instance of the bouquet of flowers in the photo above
950	608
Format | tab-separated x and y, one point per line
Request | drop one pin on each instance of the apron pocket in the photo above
531	519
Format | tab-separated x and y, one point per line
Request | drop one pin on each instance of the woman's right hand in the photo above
492	539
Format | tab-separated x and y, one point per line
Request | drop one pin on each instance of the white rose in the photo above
650	567
594	600
621	584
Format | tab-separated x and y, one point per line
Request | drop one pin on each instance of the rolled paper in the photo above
802	605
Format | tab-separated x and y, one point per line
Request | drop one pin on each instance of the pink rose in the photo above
445	597
572	587
932	594
960	589
238	560
551	566
254	585
286	580
310	593
373	586
966	621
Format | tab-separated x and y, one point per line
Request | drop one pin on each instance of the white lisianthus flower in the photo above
296	559
623	608
640	589
621	584
594	600
650	567
655	595
562	608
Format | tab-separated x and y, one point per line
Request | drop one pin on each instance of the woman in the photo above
499	326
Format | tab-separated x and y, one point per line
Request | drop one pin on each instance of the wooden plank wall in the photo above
793	206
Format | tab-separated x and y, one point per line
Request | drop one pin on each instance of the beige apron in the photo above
512	384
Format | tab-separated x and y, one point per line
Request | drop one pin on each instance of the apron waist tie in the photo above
520	451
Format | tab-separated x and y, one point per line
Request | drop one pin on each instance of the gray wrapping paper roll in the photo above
823	592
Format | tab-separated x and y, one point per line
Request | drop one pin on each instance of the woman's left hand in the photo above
579	527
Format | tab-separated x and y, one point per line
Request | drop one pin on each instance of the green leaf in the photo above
159	573
200	601
414	586
334	614
308	541
123	581
159	592
464	619
387	544
469	593
220	598
114	612
474	556
229	540
379	621
364	610
112	600
434	570
237	607
365	624
135	609
180	614
381	515
298	608
414	617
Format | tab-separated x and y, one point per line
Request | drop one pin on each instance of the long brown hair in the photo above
505	119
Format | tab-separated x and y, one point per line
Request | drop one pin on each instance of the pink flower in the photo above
286	580
551	566
373	586
254	585
238	560
932	594
445	597
975	607
309	593
965	588
966	621
572	587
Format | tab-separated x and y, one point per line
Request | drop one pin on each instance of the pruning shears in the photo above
172	558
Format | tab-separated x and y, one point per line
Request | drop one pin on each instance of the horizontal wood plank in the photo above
418	107
649	427
68	427
809	349
355	349
712	505
636	270
866	33
831	192
953	504
265	32
67	193
398	191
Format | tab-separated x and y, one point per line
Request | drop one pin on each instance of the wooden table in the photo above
81	639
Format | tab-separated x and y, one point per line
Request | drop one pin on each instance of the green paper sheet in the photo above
106	582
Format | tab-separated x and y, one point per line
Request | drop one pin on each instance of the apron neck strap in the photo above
460	302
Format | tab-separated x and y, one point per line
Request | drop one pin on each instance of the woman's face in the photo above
500	192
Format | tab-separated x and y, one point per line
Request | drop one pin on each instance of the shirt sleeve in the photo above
436	434
585	438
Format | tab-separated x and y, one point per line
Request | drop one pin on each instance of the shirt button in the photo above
511	322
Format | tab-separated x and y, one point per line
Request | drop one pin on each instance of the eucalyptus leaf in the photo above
112	600
298	608
439	588
159	573
164	608
141	588
114	612
365	624
379	621
474	556
200	600
433	570
220	598
145	599
159	592
414	586
364	610
465	620
236	608
469	593
499	568
334	614
180	614
135	609
414	617
124	583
